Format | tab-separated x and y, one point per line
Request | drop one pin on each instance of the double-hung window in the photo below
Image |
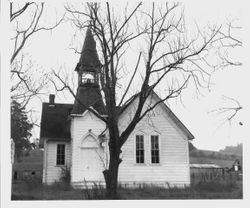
139	149
155	152
60	155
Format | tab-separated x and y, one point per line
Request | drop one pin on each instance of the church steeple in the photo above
88	67
88	70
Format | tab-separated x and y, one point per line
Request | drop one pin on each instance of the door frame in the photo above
97	147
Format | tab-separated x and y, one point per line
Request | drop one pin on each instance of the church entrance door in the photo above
91	160
91	164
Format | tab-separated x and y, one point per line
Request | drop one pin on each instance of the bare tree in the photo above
26	20
167	57
228	39
232	41
228	112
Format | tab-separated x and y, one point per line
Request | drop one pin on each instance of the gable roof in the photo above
55	121
177	121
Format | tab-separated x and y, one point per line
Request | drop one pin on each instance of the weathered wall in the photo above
174	159
80	129
173	168
51	171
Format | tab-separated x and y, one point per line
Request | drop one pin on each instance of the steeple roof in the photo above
88	95
89	60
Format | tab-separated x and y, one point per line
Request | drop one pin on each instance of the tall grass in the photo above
95	192
64	181
203	189
65	175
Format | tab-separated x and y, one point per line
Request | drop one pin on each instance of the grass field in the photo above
61	191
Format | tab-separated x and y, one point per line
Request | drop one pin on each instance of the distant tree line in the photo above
236	150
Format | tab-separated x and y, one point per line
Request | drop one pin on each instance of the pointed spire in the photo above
88	93
89	57
89	42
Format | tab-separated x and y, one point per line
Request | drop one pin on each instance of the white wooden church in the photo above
155	153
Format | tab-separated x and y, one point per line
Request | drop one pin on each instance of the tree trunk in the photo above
111	178
111	174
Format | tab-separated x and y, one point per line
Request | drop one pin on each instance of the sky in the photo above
51	50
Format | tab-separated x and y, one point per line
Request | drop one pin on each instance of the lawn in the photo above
60	191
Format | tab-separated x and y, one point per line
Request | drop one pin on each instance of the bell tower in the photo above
88	69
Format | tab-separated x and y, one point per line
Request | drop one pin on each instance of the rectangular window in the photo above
139	149
60	155
155	157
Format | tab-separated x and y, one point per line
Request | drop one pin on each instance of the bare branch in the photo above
24	85
228	112
18	12
25	34
131	80
65	86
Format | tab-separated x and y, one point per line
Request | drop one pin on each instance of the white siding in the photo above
80	127
44	160
173	168
174	161
52	171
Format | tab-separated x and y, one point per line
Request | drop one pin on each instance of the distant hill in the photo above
233	150
191	147
223	158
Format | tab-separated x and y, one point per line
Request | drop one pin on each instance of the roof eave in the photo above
85	112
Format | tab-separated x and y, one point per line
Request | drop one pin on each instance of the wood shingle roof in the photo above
55	122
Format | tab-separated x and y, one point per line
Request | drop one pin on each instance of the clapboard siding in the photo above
174	162
45	160
80	126
53	171
173	168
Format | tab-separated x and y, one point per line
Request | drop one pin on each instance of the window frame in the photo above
143	149
151	149
60	155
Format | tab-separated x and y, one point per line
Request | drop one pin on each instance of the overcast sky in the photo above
51	50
